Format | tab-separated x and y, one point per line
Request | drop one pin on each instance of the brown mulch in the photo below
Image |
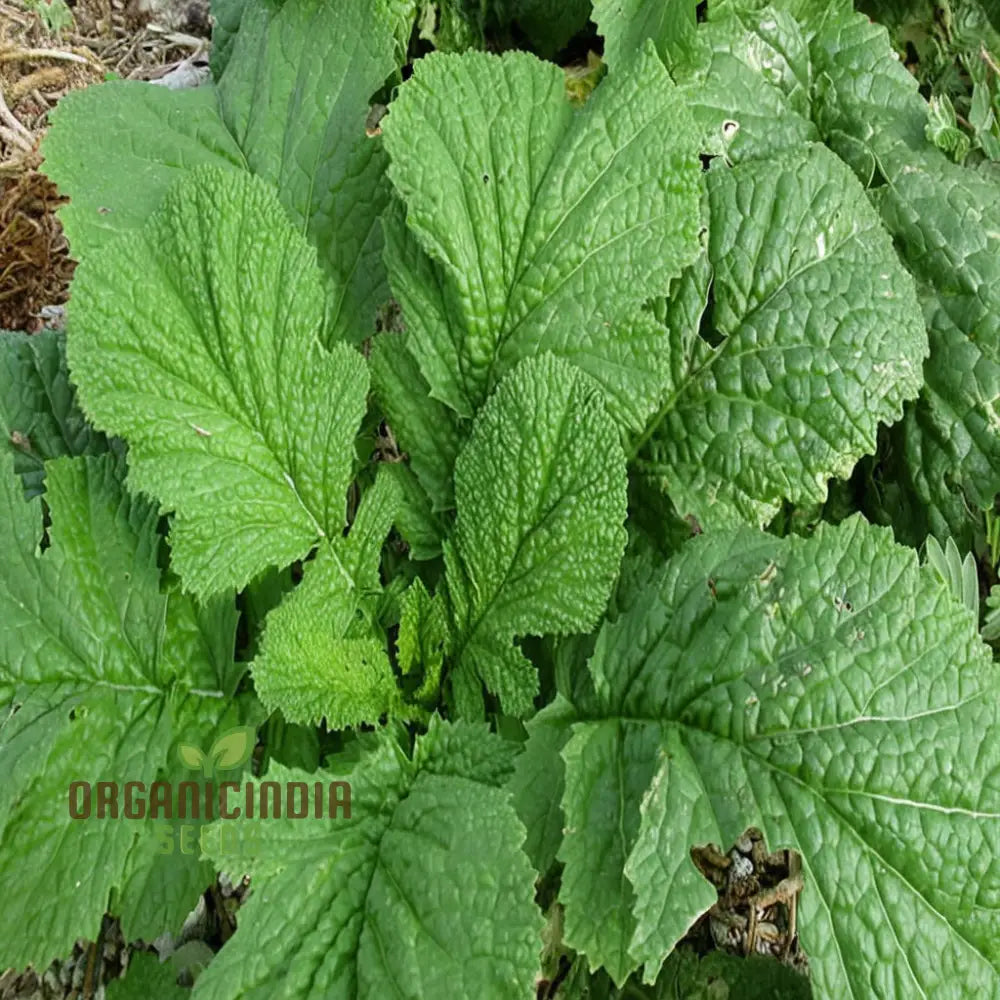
131	39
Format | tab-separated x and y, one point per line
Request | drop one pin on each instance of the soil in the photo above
131	39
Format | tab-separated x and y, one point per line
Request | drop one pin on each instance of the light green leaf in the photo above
39	418
541	495
627	24
814	338
959	574
798	694
157	135
322	653
748	85
423	637
197	339
361	551
100	667
424	888
318	659
290	106
535	234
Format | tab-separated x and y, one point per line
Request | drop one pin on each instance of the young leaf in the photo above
543	230
321	655
798	694
541	495
423	637
236	417
816	336
318	660
422	887
101	668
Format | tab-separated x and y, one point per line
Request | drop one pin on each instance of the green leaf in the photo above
748	84
426	429
423	886
236	417
296	95
318	659
156	134
147	977
950	238
423	637
290	106
322	654
226	18
793	685
541	495
100	667
814	337
627	24
959	574
534	235
539	779
942	129
39	418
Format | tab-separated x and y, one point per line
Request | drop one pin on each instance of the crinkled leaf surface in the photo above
321	656
748	84
815	336
539	228
423	891
541	495
39	418
428	430
290	106
627	24
156	135
829	691
945	221
101	668
197	339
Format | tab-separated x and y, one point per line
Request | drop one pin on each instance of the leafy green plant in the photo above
564	558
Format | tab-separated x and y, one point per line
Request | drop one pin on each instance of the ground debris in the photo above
35	265
758	900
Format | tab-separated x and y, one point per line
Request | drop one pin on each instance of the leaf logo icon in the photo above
232	749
